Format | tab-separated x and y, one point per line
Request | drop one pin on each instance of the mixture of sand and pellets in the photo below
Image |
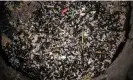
64	40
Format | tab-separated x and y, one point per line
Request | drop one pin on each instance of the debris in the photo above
62	57
64	11
82	14
99	52
73	14
82	37
87	77
54	42
5	40
49	6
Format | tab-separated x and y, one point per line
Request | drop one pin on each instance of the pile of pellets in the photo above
65	40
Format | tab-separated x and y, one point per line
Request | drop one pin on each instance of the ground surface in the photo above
64	40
